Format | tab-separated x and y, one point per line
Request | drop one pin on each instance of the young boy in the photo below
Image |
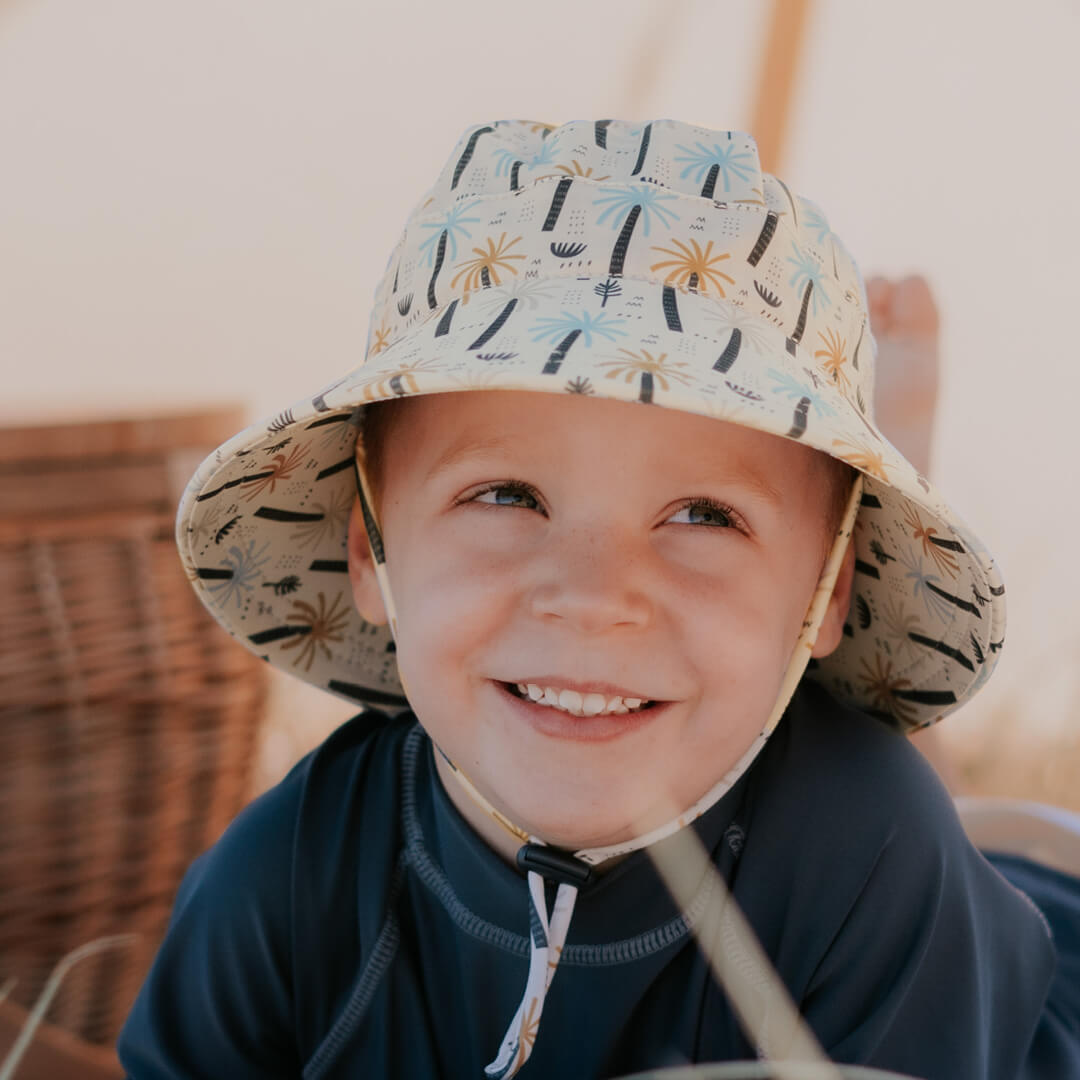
619	485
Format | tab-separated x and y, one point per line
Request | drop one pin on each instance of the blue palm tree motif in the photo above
807	269
921	582
245	566
452	223
790	387
625	207
815	221
443	236
569	327
718	160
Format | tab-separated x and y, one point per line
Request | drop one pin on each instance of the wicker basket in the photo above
127	719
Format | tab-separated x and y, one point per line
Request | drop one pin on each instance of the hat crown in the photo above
519	203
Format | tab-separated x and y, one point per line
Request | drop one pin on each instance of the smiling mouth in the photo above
576	703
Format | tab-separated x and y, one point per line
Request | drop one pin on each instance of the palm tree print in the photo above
625	207
899	624
815	221
607	289
882	686
483	271
833	357
442	239
334	515
650	370
382	340
807	269
719	160
942	557
244	565
398	382
569	327
925	585
786	384
322	625
284	465
575	169
728	316
693	268
862	456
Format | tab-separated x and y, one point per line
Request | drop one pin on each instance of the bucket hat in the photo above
652	263
642	262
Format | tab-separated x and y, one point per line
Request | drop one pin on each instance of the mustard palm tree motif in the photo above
883	687
941	556
863	457
483	271
833	357
575	169
530	1025
335	513
649	369
322	625
692	267
397	383
382	339
284	465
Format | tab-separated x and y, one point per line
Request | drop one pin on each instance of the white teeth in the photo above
570	700
592	704
577	704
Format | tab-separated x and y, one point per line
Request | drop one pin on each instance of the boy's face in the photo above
606	548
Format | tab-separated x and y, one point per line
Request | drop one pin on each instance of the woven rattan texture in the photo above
127	732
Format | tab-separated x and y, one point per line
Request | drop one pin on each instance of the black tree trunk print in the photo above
959	601
561	188
496	326
709	187
643	150
467	154
485	277
764	238
800	326
514	170
731	351
440	254
618	254
798	421
944	648
444	323
692	282
600	133
646	388
671	309
397	270
554	361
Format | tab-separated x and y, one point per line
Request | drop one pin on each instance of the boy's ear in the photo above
365	586
832	626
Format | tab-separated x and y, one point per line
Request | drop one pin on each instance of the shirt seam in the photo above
625	950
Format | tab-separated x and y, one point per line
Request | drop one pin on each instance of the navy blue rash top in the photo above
350	923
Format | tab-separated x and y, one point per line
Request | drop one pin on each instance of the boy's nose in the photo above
593	588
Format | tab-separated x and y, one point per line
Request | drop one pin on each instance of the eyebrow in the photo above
463	451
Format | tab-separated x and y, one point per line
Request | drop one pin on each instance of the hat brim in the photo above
262	525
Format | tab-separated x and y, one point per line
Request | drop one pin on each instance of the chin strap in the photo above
548	930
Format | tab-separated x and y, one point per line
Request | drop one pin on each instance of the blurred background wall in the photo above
196	201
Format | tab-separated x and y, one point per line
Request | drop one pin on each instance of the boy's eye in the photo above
704	513
509	495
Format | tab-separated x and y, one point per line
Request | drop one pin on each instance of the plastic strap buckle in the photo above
554	864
